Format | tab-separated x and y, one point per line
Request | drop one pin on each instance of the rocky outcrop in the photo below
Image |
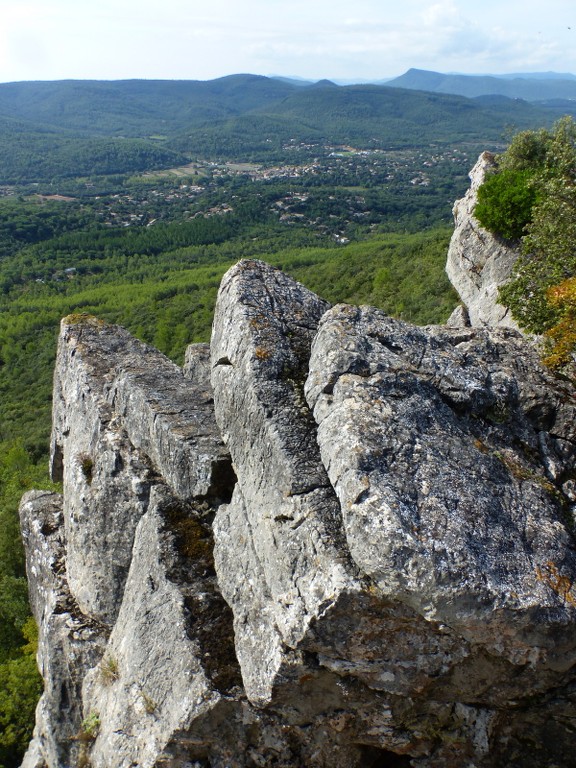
70	643
137	449
287	566
478	262
354	547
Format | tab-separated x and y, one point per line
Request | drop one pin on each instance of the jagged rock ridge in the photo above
354	548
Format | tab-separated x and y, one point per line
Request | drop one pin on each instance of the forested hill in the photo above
534	88
136	107
372	114
127	126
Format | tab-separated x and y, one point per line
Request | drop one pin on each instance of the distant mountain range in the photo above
535	87
143	108
46	125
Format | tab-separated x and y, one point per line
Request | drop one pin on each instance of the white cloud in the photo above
320	38
441	15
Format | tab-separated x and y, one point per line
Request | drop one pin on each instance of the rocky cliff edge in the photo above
354	546
478	262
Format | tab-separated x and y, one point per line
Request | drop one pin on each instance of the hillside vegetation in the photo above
532	198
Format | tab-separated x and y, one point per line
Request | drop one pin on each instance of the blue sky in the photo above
357	41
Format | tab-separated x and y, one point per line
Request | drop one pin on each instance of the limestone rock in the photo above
150	686
69	642
127	426
197	364
122	415
452	532
358	550
479	263
279	554
459	318
441	463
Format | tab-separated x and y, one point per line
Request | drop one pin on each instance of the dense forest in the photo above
130	200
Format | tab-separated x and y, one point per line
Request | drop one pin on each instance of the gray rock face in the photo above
197	365
70	643
128	429
357	549
479	263
148	685
440	469
285	566
122	414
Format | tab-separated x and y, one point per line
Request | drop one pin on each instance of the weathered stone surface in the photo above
444	600
479	263
459	318
151	684
69	642
197	364
279	554
436	448
123	414
172	421
397	555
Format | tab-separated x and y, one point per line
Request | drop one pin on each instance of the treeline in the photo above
36	157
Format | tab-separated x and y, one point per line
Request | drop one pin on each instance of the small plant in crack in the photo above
90	727
87	466
109	671
88	731
150	705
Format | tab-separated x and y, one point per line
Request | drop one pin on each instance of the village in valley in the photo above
209	188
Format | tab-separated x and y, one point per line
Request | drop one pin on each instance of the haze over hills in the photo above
128	200
533	87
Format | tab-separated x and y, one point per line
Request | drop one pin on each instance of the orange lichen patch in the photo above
259	322
563	335
561	585
261	353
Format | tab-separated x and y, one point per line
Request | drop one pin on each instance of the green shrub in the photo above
90	727
505	202
532	198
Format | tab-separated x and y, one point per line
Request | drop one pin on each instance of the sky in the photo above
344	40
